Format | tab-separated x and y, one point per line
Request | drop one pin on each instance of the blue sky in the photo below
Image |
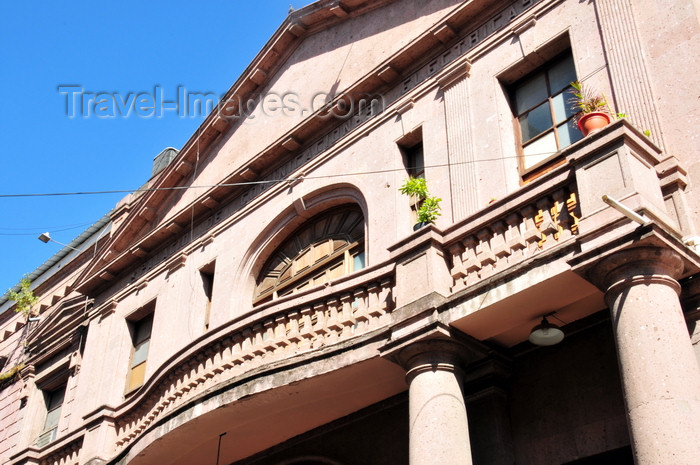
117	47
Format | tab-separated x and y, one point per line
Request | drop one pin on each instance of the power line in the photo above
63	227
250	183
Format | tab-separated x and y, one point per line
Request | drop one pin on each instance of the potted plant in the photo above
593	110
428	206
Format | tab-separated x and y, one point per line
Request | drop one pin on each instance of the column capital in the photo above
435	349
454	73
431	355
636	266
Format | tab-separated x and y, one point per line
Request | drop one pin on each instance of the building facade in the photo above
271	300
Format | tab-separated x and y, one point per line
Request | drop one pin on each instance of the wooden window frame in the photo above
290	272
49	432
136	321
530	172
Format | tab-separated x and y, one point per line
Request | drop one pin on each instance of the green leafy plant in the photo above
11	373
25	297
428	206
586	100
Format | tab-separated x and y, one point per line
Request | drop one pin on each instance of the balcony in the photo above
494	274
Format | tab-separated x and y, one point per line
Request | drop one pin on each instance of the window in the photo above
411	146
54	401
415	165
207	274
327	247
543	113
141	337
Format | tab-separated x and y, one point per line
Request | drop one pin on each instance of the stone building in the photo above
289	312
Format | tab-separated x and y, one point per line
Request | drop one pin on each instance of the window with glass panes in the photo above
54	401
141	336
328	246
543	112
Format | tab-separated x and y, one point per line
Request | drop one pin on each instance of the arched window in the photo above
326	247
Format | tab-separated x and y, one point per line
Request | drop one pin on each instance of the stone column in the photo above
659	371
438	428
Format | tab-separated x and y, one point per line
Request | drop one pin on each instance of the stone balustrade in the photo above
64	451
66	456
531	225
274	332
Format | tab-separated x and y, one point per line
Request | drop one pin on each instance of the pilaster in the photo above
629	77
463	177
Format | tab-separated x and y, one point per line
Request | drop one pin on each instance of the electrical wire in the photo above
250	183
35	231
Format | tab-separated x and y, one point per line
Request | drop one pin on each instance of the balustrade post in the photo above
293	336
421	267
500	247
281	330
532	235
515	240
258	349
307	330
373	305
268	336
347	319
361	304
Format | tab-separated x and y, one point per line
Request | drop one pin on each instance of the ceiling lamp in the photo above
546	334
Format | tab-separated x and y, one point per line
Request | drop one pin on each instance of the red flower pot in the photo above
593	122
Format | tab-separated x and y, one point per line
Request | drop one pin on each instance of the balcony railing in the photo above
279	330
559	205
524	226
64	450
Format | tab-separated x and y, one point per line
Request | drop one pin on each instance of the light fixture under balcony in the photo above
546	334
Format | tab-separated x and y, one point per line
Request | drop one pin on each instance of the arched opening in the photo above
328	246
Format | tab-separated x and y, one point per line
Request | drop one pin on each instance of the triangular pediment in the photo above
364	47
58	328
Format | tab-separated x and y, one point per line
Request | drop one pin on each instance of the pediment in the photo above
365	47
57	328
